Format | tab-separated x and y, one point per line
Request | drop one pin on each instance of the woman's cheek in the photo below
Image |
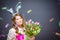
19	22
16	22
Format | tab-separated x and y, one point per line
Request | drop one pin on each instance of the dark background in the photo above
42	11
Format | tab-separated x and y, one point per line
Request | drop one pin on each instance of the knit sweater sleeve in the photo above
11	34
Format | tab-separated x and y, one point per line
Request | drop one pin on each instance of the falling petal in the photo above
1	18
59	23
7	25
29	11
58	34
2	35
51	20
4	8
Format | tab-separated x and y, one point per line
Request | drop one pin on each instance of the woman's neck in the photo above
20	26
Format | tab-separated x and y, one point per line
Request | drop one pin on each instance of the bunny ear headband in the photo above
18	6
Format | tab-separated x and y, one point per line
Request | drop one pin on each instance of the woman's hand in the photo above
32	37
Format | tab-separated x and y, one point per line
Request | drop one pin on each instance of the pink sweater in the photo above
20	37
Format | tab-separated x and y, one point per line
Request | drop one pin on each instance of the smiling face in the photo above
18	20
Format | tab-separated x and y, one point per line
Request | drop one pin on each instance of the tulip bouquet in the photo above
32	28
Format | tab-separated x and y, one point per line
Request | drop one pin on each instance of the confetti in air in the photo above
58	34
2	35
51	20
59	24
7	25
29	11
1	18
4	8
10	10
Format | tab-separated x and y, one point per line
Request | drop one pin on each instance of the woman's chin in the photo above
20	24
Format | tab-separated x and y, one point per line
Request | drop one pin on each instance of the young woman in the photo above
17	31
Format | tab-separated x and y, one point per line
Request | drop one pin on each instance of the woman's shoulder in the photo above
12	29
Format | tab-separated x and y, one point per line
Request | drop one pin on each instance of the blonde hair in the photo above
13	19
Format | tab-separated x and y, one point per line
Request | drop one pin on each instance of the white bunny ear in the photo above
10	10
18	6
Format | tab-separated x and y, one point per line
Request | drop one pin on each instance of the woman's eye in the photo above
19	19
